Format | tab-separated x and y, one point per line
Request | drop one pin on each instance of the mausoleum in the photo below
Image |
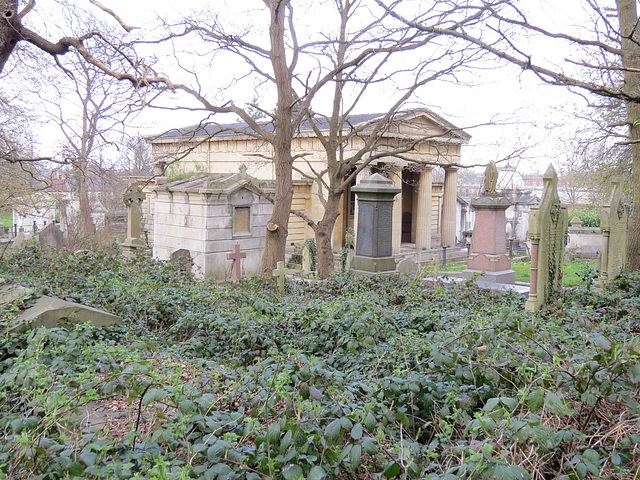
424	213
204	216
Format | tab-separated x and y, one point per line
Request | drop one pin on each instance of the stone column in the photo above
396	234
422	217
449	206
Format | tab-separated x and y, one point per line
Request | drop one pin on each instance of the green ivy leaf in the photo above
317	473
355	455
76	469
392	470
292	472
634	374
332	431
370	446
555	404
370	422
154	395
356	431
273	432
88	458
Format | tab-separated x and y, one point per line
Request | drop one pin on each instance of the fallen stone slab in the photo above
52	312
10	292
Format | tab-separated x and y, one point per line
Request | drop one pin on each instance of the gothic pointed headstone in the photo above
613	222
548	229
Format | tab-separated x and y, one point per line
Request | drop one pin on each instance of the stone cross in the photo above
236	256
280	273
133	197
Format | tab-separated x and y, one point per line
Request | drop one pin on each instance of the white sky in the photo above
527	113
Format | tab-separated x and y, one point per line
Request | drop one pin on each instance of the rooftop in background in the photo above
359	122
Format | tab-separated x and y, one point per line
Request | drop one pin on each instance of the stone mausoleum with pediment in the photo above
424	213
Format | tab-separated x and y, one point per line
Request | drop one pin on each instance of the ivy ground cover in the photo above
346	378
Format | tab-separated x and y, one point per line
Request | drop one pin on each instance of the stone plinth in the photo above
488	254
374	248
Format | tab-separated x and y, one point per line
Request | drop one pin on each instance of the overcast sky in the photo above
526	112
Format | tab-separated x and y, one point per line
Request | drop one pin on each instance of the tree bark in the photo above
324	233
9	29
277	229
628	17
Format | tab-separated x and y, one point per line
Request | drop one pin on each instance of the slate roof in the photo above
211	129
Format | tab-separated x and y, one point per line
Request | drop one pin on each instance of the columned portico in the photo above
395	175
449	206
423	209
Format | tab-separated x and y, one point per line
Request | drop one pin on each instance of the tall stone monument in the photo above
548	230
488	253
133	197
374	235
613	222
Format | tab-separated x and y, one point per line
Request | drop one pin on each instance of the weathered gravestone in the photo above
375	214
613	222
133	198
51	312
548	229
51	236
488	253
19	239
408	265
306	258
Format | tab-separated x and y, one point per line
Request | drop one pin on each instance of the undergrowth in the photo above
345	378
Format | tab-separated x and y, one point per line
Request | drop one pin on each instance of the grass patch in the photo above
5	218
523	271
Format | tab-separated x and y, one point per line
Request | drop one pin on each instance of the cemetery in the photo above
344	240
117	365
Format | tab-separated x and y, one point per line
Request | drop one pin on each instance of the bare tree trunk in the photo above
324	233
277	229
86	222
8	31
628	17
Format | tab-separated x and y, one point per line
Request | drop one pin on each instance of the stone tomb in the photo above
207	215
613	222
548	229
375	214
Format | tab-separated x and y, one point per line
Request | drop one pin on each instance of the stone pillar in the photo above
396	234
422	218
374	246
449	206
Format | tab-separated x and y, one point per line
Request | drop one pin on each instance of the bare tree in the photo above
341	60
91	110
614	38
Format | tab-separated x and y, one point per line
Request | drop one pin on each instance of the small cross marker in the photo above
280	273
236	256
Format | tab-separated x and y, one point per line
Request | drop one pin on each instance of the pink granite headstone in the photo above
488	254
